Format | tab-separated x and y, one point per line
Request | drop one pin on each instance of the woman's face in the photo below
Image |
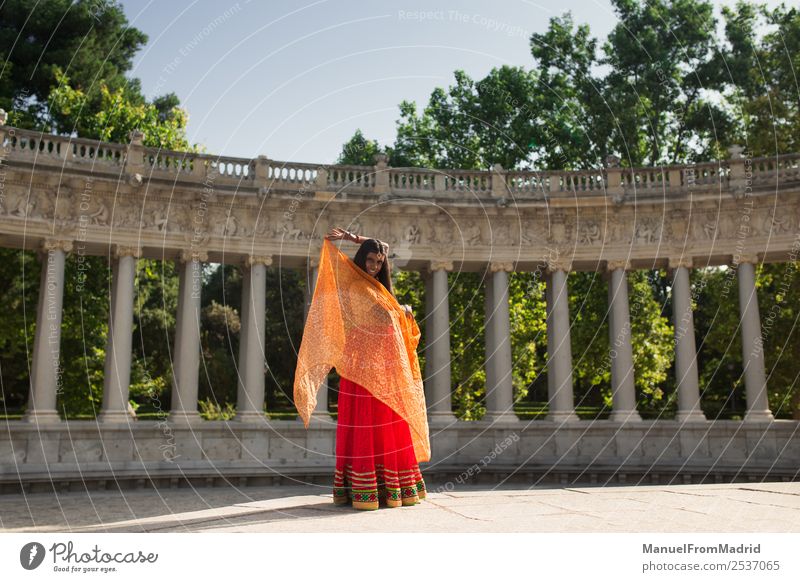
374	263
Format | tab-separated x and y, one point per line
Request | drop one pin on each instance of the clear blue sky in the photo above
293	80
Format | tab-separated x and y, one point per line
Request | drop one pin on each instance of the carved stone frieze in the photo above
74	207
412	234
589	233
472	234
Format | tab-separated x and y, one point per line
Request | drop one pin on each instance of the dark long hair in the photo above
373	245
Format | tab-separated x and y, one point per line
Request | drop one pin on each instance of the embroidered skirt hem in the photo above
375	461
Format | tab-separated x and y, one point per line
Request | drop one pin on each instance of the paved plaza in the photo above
738	507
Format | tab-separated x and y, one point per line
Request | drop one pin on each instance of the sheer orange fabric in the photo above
354	324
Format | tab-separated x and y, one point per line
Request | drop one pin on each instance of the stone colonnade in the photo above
250	401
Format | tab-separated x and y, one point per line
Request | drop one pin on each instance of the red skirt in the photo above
375	461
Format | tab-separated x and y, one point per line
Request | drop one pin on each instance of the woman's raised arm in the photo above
337	233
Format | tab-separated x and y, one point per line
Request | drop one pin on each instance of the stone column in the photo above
46	373
686	375
427	277
623	391
321	409
117	378
548	307
187	338
559	348
250	398
499	384
241	390
489	339
755	377
437	368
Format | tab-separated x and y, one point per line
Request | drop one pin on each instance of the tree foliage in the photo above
117	114
664	87
91	40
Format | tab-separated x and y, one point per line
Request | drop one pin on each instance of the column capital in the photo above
559	264
251	260
55	244
682	261
751	258
438	265
507	266
127	251
614	264
188	255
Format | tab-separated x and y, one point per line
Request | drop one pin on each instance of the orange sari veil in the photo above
354	324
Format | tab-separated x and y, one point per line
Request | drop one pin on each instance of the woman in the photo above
355	324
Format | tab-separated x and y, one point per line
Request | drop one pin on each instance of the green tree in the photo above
528	330
117	114
18	301
662	71
91	40
574	122
759	70
84	333
471	125
154	315
467	347
359	151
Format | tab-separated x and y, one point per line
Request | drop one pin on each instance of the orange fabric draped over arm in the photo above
354	324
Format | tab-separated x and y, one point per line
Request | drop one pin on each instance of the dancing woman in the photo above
356	325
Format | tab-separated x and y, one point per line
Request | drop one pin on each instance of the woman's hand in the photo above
336	233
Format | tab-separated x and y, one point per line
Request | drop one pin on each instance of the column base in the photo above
563	416
758	416
441	417
184	417
625	416
42	416
499	416
249	416
115	416
691	416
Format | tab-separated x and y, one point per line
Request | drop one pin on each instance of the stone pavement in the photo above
736	507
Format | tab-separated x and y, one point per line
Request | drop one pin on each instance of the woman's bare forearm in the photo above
337	233
356	238
342	234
